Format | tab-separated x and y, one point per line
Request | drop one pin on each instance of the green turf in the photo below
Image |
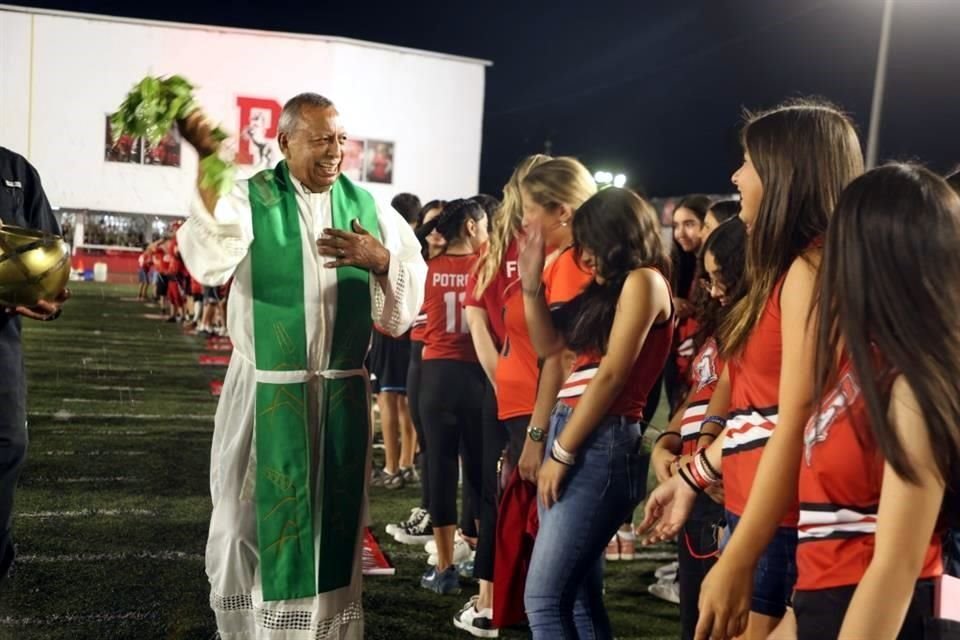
119	399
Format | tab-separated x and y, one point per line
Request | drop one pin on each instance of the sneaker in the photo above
461	552
445	582
377	477
613	549
431	547
478	623
419	533
628	544
410	475
669	591
667	571
393	481
416	515
465	568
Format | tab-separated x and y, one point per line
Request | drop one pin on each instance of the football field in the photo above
113	502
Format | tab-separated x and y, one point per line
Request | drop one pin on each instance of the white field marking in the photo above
91	400
655	555
113	557
95	432
83	513
57	619
84	479
95	452
67	415
100	387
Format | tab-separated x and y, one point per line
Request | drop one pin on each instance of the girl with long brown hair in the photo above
509	402
797	159
884	442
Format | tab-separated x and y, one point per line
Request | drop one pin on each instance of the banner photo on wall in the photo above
133	150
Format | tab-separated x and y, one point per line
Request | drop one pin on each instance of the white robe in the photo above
215	248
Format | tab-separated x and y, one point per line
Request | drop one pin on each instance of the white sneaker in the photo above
669	591
667	571
416	515
419	533
478	623
461	553
431	547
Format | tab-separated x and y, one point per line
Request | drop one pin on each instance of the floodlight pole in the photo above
879	81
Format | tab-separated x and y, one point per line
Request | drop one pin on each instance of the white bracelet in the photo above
562	455
703	469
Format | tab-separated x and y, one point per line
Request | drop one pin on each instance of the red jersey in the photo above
493	296
841	476
647	368
704	374
447	336
517	368
419	327
145	260
754	397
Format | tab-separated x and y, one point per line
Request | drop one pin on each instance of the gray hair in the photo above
291	111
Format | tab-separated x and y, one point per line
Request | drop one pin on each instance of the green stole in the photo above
294	522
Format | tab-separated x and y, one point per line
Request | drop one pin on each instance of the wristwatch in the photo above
536	433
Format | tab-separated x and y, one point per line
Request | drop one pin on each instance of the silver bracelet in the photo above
561	455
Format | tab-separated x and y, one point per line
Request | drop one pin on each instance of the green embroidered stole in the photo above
299	517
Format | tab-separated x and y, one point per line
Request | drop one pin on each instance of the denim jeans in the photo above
564	589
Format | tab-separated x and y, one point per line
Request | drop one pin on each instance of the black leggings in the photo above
451	400
497	435
413	401
698	546
820	614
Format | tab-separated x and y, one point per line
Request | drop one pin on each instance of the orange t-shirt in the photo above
517	369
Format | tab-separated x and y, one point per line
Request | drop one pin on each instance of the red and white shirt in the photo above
754	396
704	374
841	477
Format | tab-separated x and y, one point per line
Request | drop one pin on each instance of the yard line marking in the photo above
95	452
57	619
82	513
111	557
83	479
68	415
98	432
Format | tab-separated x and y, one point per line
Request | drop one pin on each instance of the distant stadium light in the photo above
603	177
619	180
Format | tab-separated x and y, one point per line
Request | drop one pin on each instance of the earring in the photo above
563	224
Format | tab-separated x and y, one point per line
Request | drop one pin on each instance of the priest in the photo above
314	262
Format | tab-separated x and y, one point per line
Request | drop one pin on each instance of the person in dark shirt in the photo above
23	204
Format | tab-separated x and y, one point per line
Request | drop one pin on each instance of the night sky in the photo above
651	88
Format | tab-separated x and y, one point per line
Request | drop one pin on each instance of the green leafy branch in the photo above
152	109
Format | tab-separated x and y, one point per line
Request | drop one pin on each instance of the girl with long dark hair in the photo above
451	382
722	280
884	442
688	221
619	330
797	159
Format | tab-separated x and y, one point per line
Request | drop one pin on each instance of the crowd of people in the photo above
164	279
801	337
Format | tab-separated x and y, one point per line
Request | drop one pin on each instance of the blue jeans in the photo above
564	590
776	572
